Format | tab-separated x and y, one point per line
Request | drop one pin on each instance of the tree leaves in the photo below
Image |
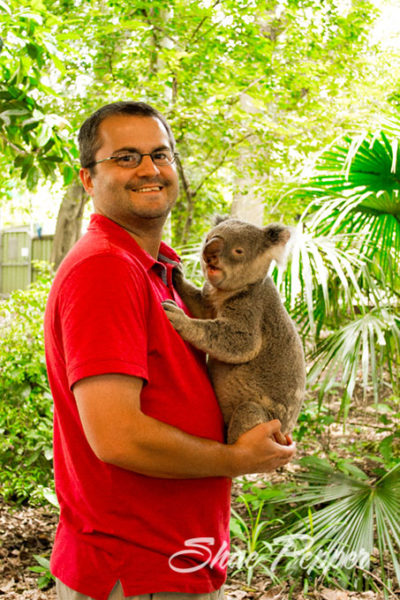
230	76
28	130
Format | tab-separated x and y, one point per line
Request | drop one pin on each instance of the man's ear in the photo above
87	180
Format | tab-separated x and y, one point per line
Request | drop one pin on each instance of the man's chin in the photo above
154	214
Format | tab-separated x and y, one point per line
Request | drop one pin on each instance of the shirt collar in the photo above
120	236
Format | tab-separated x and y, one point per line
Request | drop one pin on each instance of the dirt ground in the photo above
24	533
29	531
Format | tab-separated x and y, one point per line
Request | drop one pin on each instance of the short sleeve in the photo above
103	317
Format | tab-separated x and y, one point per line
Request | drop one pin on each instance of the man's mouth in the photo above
153	188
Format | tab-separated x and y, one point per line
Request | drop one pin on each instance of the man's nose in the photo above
146	166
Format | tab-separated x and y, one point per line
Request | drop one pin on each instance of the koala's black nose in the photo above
212	250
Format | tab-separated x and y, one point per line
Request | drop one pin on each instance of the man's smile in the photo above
145	189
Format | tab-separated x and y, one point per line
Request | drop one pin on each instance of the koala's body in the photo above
255	356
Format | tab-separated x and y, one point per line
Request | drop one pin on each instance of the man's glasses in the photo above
131	160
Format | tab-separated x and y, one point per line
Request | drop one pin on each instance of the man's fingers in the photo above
264	448
273	429
269	428
281	439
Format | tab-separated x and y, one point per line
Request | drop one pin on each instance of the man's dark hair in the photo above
88	137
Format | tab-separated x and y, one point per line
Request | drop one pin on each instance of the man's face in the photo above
146	192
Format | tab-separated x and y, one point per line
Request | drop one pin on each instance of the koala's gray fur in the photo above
255	355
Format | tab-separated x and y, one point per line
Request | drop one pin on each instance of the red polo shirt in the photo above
104	315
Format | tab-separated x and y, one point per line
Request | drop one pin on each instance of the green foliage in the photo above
343	512
250	527
253	551
34	140
325	525
45	579
250	87
26	406
383	448
342	284
314	418
357	190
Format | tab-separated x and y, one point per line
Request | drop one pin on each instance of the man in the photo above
142	473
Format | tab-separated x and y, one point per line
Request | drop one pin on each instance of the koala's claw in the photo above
174	313
167	304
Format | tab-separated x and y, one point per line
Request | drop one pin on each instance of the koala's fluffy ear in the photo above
276	234
276	238
219	219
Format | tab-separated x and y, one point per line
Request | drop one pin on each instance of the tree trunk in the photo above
69	222
246	205
189	195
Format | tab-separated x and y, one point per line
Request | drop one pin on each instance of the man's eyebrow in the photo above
132	149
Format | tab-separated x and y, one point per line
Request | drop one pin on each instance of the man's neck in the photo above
148	235
148	243
146	232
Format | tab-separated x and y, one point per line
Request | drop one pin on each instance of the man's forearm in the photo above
119	433
161	450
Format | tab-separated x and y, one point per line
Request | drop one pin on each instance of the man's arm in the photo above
121	434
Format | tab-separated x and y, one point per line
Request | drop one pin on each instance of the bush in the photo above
26	471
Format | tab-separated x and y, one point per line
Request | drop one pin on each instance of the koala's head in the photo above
236	254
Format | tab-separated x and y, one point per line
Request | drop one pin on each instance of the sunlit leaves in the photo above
362	178
234	78
33	139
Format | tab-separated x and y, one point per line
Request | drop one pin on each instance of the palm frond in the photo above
363	346
345	516
314	261
356	188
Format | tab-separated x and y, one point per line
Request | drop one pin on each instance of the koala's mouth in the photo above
214	275
212	269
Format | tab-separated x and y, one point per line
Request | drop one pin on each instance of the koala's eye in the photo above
238	251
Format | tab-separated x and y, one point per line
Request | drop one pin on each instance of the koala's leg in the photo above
246	416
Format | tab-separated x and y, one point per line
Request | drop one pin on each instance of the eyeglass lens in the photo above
133	159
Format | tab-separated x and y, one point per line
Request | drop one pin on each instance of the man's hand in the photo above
263	449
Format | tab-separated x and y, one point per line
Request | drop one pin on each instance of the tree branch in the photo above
236	97
200	25
189	201
184	179
393	595
221	162
14	146
163	32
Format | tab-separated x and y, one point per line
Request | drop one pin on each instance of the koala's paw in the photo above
175	314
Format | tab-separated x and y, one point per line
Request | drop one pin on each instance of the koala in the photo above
255	356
